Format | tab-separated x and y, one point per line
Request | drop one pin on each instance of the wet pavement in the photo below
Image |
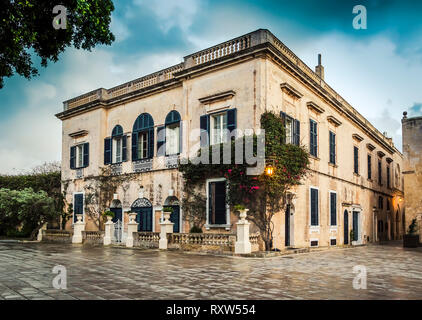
26	272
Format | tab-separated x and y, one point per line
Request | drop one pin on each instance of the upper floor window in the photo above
292	129
388	177
143	138
169	136
333	208
379	173
115	146
79	156
356	160
380	202
369	167
332	147
313	138
215	128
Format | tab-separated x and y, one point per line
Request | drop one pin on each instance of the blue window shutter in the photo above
356	159
231	119
124	148
205	130
314	207
151	142
107	150
72	157
180	136
78	205
296	132
161	141
86	155
333	207
134	146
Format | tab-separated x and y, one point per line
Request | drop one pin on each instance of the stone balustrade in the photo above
93	237
61	236
207	239
146	239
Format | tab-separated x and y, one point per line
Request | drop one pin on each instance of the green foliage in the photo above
109	213
413	227
195	229
25	211
239	207
27	26
168	209
263	195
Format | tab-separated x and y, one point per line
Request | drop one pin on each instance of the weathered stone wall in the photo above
412	170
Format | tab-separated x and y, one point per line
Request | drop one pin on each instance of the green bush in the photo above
195	229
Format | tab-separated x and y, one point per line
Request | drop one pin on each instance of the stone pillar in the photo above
44	227
109	231
166	227
132	227
78	227
243	244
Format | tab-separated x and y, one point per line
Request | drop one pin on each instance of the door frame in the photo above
83	206
207	225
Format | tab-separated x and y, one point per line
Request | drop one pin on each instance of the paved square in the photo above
120	273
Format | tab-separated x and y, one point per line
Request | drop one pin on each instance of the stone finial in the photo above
405	115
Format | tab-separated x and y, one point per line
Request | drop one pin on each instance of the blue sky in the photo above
377	70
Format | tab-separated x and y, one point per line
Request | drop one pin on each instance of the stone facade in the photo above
251	74
412	170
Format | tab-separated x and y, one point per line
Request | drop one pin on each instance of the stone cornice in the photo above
288	89
313	106
357	137
334	121
217	97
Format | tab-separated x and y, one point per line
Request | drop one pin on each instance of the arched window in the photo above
115	146
143	137
170	140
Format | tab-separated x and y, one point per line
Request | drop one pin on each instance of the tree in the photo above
264	195
27	27
26	210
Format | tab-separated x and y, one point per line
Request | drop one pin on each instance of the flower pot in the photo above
109	218
243	214
410	241
132	217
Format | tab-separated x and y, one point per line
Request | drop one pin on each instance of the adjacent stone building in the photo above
356	170
412	170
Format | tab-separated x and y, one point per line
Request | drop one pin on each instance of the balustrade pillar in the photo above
109	231
44	227
132	227
243	244
166	227
78	227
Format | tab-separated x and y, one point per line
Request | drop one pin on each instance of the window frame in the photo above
315	226
207	226
332	192
332	148
313	138
223	131
356	160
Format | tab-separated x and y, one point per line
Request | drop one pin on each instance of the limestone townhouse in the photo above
356	181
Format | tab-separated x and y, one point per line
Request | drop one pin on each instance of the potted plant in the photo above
411	238
109	215
242	211
167	212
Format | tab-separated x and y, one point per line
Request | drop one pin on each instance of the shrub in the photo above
195	229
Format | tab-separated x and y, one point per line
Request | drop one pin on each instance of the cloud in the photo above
415	110
180	13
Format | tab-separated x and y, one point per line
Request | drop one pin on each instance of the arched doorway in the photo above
173	202
143	208
346	226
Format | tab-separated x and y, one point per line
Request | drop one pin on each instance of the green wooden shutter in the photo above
72	157
161	141
124	148
151	142
107	150
135	146
86	155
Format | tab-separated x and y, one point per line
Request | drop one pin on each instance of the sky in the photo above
378	70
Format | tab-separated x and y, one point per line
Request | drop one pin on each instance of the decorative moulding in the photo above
78	134
287	88
380	154
389	160
357	137
312	105
334	121
217	97
370	146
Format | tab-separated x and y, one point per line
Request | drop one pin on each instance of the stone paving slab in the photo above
120	273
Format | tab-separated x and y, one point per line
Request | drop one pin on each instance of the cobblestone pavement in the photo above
120	273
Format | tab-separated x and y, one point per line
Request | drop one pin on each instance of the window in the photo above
356	159
332	148
169	140
388	204
313	138
143	138
314	243
218	128
292	129
217	211
314	207
79	156
333	242
142	145
380	202
115	146
78	205
388	177
333	209
379	173
172	139
369	167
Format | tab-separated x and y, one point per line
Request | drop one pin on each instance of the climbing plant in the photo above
264	195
